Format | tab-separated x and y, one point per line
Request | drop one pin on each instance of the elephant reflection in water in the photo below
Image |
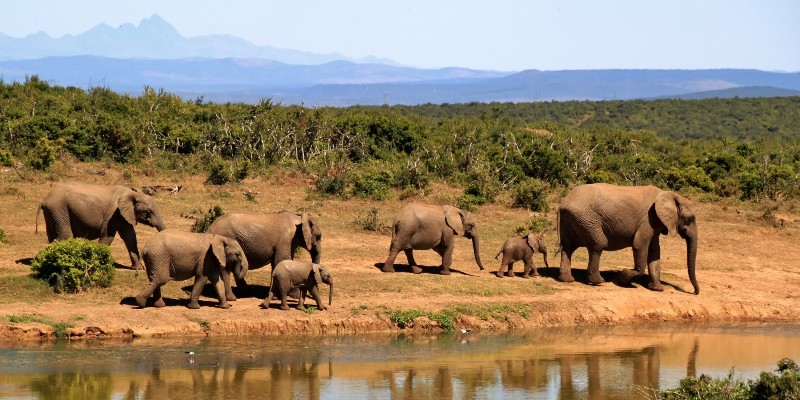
73	385
226	377
645	366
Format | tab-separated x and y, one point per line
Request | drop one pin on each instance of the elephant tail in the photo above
498	254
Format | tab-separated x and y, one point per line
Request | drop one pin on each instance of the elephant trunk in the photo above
691	259
241	271
477	250
544	258
330	291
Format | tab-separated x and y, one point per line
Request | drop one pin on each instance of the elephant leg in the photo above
219	287
594	267
158	299
128	236
141	298
639	265
388	265
301	304
197	288
284	295
241	284
565	274
315	295
510	270
654	265
265	303
411	262
530	268
226	283
447	258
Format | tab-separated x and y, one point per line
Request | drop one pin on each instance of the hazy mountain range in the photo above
226	68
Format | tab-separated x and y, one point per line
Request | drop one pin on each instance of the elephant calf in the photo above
176	255
521	248
290	275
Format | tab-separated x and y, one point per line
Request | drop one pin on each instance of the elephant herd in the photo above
598	217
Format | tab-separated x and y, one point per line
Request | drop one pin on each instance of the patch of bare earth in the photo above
747	269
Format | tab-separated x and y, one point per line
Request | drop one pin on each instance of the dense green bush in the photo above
42	155
3	237
74	265
532	194
785	384
373	185
202	223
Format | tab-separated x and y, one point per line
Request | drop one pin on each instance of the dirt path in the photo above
747	271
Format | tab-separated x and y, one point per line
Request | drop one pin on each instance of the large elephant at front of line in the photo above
425	227
98	212
602	217
173	255
268	238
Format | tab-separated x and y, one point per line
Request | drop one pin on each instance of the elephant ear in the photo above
218	248
454	219
308	227
317	275
126	203
532	241
666	206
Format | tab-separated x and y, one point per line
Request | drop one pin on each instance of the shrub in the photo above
218	173
373	185
532	194
6	159
201	224
3	237
75	265
372	222
42	156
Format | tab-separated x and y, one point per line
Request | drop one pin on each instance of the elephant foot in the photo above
655	286
499	274
322	307
284	307
301	307
566	278
230	297
141	301
526	276
445	271
625	276
224	306
264	305
387	268
596	279
193	305
160	303
415	269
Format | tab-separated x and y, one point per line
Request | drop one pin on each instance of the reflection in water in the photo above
603	363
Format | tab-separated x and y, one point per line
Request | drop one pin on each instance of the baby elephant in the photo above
176	255
522	248
290	275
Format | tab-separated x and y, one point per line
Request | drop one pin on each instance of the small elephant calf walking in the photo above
173	255
521	248
290	275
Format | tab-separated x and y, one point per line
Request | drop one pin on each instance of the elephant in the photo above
98	212
268	238
290	275
602	216
521	248
173	255
424	227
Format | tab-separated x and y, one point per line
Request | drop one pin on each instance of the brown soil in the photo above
747	268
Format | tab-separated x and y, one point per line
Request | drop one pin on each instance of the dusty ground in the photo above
747	268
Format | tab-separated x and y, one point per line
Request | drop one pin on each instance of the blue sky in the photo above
498	35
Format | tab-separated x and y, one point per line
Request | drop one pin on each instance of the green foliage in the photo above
3	237
785	384
74	265
6	158
532	193
372	222
536	224
742	147
447	318
42	155
201	224
204	324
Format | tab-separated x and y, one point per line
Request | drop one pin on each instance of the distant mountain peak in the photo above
157	25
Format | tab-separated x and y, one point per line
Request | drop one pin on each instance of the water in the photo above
574	363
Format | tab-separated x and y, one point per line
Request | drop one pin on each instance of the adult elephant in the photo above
425	227
268	238
98	212
608	217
